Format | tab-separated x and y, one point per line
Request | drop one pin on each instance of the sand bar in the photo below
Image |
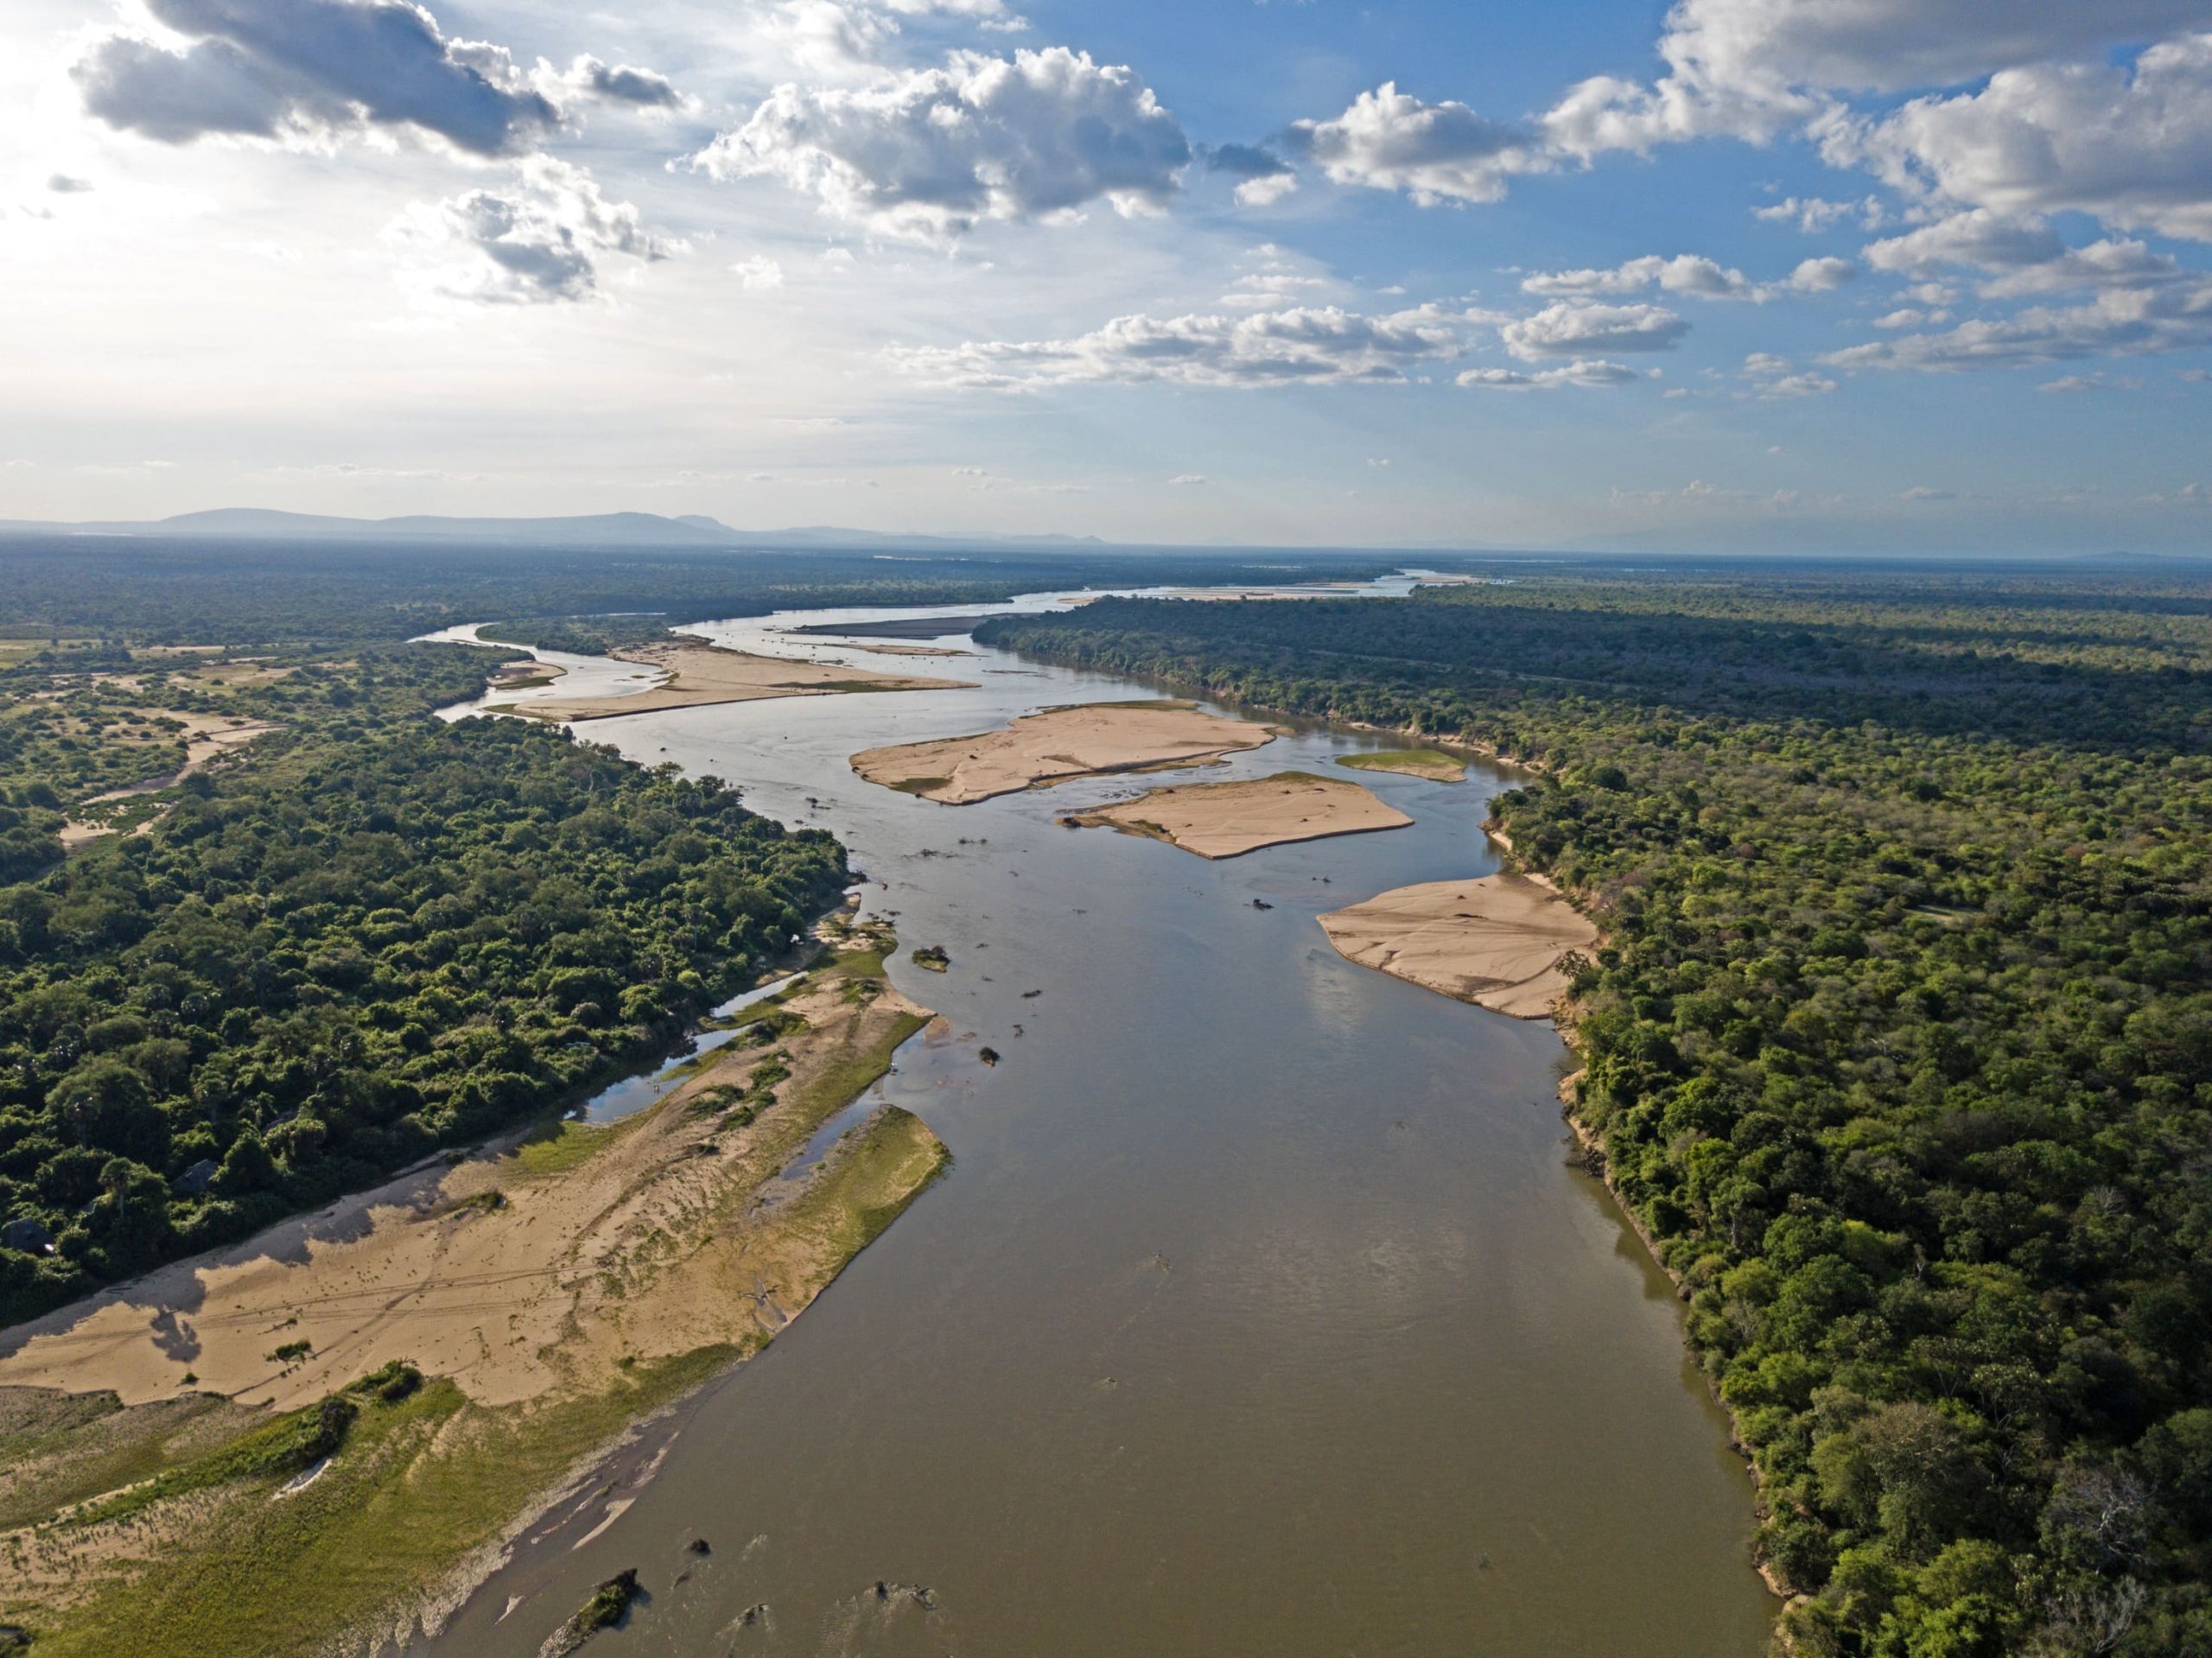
1225	820
1040	749
1412	762
700	675
518	1274
1496	941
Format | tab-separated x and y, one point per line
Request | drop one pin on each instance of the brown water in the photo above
1258	1314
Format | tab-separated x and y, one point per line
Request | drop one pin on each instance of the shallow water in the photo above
1258	1314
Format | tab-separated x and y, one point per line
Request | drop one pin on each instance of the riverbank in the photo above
547	1292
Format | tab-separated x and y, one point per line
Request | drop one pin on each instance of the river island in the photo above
1089	739
1226	820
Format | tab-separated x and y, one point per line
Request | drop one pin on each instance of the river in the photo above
1261	1312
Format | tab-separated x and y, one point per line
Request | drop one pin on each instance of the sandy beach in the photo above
1041	749
1496	941
700	675
1225	820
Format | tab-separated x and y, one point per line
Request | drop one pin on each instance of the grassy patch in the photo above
892	1162
921	786
842	1082
1417	762
420	1485
563	1145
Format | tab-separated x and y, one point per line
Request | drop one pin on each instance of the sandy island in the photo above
1041	749
700	675
1428	763
1225	820
1496	941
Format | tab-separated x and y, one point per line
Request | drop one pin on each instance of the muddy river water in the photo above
1260	1312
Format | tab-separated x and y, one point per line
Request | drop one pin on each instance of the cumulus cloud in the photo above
2116	322
1589	372
1774	378
1686	273
933	153
759	272
280	69
2130	145
1305	345
1262	176
1571	329
537	243
623	83
1389	140
1813	214
1754	68
1693	274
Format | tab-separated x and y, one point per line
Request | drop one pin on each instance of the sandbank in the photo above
528	1268
1226	820
1496	941
1040	749
700	675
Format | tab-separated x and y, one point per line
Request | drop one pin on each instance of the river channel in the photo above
1260	1314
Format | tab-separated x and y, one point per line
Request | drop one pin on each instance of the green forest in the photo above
1899	1046
371	935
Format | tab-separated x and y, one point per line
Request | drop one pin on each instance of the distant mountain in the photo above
597	529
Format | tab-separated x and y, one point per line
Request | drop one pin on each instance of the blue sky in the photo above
1877	275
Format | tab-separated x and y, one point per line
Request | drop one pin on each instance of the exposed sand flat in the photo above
1041	749
1412	762
1495	942
1225	820
522	1271
206	738
909	650
700	676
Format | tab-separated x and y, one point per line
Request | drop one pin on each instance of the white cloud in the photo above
1309	346
288	70
1588	371
1693	274
758	272
1389	140
2070	384
1822	275
1570	329
537	243
1775	377
1813	214
1755	68
623	83
2130	145
933	153
1186	480
1686	273
2118	321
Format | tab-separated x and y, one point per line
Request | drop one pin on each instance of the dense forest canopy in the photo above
1900	1046
371	935
184	590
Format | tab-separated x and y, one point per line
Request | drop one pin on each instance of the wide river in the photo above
1260	1314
